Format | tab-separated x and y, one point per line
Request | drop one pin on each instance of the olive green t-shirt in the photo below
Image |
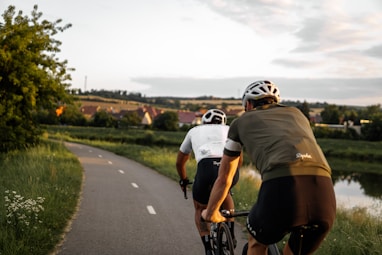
279	141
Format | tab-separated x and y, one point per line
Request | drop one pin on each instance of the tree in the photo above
167	121
331	114
304	108
31	77
72	115
130	119
373	130
103	119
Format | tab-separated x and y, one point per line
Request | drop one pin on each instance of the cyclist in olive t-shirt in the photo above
297	188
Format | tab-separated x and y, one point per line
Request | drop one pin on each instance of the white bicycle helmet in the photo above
259	90
215	116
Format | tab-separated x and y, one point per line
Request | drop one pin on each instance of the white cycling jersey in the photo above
206	141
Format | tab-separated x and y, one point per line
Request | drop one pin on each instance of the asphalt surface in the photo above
127	208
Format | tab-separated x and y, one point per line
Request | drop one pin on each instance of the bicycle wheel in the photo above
272	249
225	242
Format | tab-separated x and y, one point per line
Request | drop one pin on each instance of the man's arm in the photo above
227	169
181	164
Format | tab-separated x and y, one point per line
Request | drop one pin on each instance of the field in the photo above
118	105
360	155
106	103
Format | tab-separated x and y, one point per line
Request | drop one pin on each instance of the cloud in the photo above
375	51
336	91
262	16
322	30
288	62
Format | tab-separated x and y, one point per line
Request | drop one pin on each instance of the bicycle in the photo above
221	239
220	234
222	242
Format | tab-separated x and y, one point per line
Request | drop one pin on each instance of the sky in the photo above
315	51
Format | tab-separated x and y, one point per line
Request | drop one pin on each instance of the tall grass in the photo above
39	190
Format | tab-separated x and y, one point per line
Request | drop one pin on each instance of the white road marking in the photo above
110	163
100	156
134	185
151	209
90	151
121	171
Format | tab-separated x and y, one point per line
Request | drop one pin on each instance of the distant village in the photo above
148	113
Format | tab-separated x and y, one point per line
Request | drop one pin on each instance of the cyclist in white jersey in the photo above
207	142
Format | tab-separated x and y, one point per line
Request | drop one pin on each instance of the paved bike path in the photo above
127	208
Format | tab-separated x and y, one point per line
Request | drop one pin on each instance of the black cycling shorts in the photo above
286	202
206	174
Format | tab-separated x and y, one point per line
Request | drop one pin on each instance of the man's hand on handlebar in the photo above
183	184
214	217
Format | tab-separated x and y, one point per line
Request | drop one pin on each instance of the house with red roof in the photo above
189	118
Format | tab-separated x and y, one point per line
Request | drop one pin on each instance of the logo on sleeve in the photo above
303	156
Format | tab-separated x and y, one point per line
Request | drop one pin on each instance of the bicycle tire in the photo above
272	249
225	242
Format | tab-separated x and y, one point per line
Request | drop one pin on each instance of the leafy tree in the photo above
371	110
167	121
331	114
48	117
373	130
304	108
73	116
103	119
31	77
130	119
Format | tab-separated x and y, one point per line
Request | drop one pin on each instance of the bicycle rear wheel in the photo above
225	242
272	249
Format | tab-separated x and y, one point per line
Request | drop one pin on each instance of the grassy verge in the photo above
39	190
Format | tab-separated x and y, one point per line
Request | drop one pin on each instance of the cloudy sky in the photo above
326	51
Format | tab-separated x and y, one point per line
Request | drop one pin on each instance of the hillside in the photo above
164	103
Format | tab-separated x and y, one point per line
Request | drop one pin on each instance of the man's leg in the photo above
256	248
287	250
203	227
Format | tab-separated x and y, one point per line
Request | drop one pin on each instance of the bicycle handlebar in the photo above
229	214
185	190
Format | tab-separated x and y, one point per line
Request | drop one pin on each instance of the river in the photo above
359	190
355	190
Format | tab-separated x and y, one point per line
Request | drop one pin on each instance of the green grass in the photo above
39	191
342	155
